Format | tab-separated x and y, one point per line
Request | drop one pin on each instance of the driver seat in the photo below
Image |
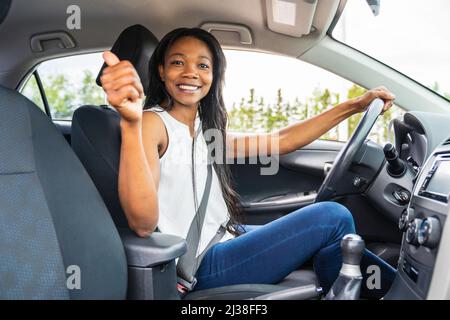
96	140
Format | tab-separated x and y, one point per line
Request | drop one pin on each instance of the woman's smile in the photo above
188	88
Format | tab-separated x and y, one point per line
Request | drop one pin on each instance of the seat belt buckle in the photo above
184	286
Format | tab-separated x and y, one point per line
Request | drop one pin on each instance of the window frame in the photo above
33	72
23	84
42	92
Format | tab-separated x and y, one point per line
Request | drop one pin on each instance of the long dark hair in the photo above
212	110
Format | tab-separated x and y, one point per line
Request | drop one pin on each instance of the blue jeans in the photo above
268	253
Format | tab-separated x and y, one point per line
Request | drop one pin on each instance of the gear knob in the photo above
352	247
348	284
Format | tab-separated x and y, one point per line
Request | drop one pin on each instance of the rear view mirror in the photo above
374	6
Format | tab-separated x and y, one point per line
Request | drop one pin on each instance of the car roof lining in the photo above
103	20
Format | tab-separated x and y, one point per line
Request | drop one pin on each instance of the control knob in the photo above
429	232
413	232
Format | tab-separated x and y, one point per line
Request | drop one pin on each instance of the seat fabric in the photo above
53	222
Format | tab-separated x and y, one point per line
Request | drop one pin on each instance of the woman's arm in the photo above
139	169
139	178
300	134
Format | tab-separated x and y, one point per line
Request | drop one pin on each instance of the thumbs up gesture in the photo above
123	87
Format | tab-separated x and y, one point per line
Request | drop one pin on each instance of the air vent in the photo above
446	142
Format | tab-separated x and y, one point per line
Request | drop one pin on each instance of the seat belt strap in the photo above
188	264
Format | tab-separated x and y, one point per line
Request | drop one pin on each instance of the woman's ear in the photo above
161	72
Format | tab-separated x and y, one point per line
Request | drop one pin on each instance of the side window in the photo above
68	83
267	92
31	91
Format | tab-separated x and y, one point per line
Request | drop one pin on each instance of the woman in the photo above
156	180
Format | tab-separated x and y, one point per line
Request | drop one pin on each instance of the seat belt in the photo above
188	263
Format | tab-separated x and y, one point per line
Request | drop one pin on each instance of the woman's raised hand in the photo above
362	102
123	87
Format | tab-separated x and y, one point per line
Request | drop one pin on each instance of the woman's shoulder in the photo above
155	108
150	117
153	128
154	116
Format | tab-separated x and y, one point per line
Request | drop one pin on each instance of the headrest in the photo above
4	8
135	44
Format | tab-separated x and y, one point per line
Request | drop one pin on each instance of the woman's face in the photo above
187	71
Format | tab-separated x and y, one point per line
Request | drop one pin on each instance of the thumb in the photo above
110	58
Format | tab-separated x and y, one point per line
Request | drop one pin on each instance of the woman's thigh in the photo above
267	254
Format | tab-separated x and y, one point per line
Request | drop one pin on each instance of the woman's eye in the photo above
177	63
203	66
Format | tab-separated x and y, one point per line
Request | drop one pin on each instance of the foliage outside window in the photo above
31	91
256	115
68	83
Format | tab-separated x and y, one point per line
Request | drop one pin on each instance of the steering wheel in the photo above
347	154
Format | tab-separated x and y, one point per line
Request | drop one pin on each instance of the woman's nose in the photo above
190	72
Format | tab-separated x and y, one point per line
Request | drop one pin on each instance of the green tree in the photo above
61	96
90	93
254	114
31	91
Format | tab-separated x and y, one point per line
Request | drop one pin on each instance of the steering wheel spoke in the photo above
348	153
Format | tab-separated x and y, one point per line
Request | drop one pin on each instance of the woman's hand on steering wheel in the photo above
362	102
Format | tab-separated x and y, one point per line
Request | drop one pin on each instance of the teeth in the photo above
187	87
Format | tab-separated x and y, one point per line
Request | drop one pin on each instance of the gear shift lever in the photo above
348	284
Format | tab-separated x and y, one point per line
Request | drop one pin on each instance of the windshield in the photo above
411	36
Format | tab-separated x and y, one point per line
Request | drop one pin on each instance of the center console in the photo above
422	225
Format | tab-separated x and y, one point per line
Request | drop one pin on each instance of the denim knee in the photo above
340	216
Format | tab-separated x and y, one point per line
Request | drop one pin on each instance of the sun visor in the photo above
291	17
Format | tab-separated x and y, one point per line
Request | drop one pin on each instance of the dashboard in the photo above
416	137
422	225
422	141
413	148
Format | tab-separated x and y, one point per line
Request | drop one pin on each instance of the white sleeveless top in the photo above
175	191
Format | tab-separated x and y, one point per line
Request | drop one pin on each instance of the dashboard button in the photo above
359	182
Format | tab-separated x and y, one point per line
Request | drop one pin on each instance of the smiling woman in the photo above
185	104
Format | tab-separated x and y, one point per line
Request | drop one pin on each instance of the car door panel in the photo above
300	174
268	197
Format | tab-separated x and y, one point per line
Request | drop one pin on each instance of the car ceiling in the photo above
103	20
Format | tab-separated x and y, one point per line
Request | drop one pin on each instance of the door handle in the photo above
291	199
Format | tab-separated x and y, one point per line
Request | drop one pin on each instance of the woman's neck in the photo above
185	114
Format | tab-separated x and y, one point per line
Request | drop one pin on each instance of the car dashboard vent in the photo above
446	142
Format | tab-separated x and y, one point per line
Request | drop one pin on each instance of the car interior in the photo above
59	203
